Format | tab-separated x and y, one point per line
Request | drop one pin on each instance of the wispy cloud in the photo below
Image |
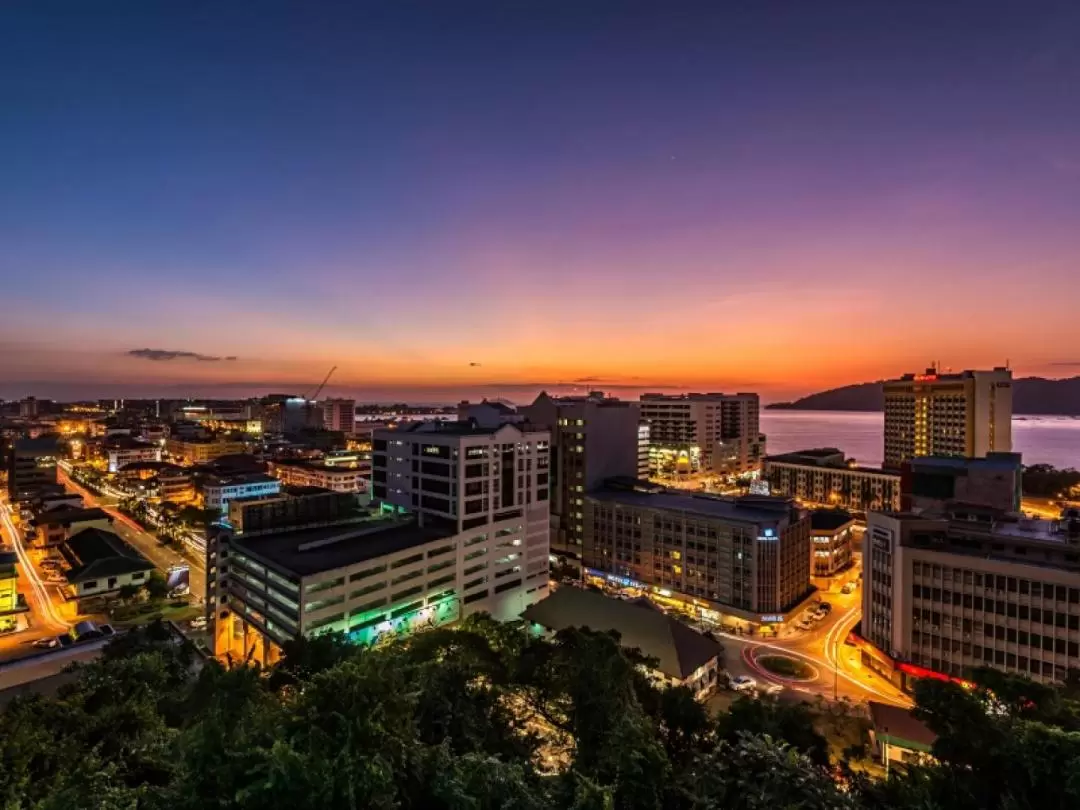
166	354
1067	363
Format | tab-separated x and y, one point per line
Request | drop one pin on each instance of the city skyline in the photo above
489	201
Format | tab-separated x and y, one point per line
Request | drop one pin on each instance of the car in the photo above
743	683
47	643
824	607
849	587
198	623
771	689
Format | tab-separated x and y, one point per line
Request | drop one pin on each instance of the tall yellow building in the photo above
966	414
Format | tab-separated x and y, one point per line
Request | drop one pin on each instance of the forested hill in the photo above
1031	395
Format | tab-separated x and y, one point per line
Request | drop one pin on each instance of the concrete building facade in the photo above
339	414
824	477
746	558
966	414
593	438
297	472
474	482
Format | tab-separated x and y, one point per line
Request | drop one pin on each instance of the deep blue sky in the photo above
782	195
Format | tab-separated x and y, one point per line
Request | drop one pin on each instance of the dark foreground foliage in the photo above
486	717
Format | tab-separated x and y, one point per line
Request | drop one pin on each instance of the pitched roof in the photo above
900	726
678	649
95	553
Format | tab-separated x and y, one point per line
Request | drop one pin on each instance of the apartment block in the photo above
823	476
339	414
966	414
485	485
746	559
593	438
710	433
968	588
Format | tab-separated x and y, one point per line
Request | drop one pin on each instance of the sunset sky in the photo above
452	199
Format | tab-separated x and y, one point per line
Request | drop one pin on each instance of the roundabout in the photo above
787	667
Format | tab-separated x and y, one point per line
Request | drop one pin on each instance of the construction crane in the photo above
322	385
310	398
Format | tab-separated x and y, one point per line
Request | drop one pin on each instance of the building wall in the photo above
473	484
9	590
748	567
851	488
101	587
218	497
338	479
501	569
592	439
339	414
121	457
201	452
831	551
949	611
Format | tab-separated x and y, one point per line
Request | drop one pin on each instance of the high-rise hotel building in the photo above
966	414
717	433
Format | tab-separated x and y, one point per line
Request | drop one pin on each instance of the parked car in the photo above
849	587
743	683
825	607
47	643
198	623
771	689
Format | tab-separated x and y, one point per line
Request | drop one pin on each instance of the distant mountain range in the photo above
1031	395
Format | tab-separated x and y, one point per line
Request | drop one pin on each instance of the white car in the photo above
771	689
743	683
47	643
849	587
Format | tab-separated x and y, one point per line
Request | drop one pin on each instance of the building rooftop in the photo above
746	508
42	444
123	442
827	458
315	466
155	466
69	514
464	428
303	552
240	479
678	650
830	520
97	554
1003	461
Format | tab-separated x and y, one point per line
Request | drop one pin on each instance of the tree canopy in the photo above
487	716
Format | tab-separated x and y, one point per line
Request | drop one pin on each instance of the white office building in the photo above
482	486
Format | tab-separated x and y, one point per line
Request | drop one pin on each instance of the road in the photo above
164	557
49	615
